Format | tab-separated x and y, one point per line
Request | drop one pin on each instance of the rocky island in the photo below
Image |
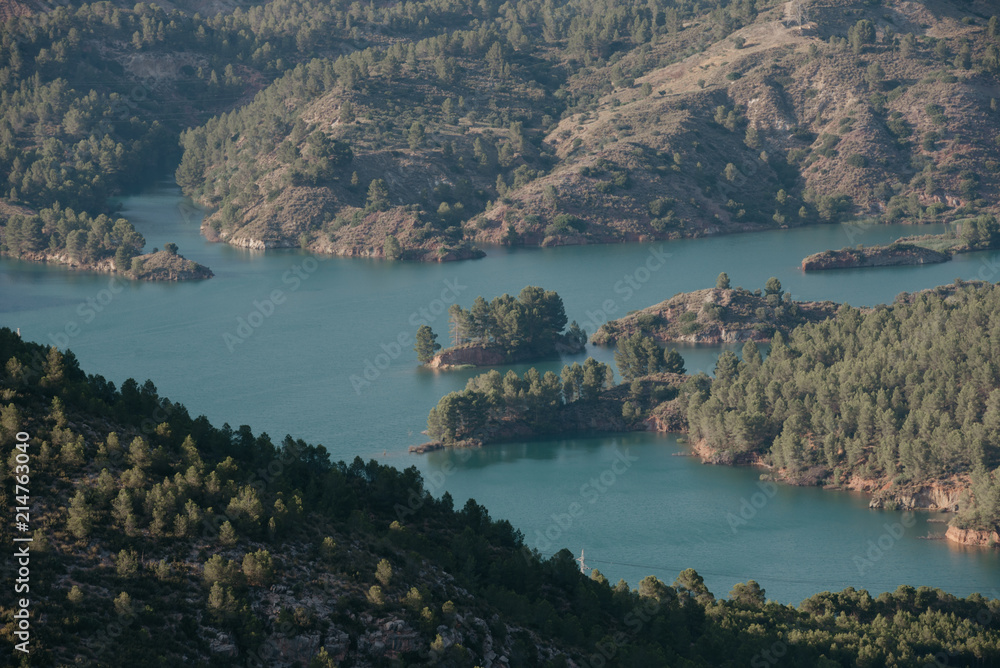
718	315
894	254
968	235
165	265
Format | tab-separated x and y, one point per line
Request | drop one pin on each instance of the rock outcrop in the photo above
165	266
986	538
715	315
468	354
873	256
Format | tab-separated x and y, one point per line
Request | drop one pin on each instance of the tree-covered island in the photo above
529	327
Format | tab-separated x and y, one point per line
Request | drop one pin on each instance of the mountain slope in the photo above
677	123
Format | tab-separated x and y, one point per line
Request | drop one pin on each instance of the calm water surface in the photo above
325	364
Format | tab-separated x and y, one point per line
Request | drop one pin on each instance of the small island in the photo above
505	330
59	235
167	265
970	234
583	398
892	255
718	315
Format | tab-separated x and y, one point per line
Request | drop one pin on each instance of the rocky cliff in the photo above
984	538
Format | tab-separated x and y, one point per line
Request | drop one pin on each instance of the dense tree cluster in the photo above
85	239
639	355
980	232
906	392
530	325
492	405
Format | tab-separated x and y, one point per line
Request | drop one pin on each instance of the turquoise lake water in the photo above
310	346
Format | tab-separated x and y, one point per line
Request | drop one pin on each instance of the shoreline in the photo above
929	498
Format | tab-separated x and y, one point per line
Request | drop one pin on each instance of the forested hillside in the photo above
414	130
94	97
159	539
545	123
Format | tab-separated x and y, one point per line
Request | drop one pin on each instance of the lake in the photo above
321	348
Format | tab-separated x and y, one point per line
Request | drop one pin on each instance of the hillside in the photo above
553	132
417	131
783	124
717	315
156	543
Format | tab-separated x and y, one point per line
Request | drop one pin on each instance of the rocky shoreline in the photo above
485	354
939	497
980	538
350	241
896	254
158	266
469	354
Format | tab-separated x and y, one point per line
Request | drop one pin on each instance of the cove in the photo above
291	372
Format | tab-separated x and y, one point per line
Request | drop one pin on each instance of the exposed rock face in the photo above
488	354
940	496
469	354
987	538
929	497
424	448
297	223
873	256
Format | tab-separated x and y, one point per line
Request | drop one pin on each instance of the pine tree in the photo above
426	345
